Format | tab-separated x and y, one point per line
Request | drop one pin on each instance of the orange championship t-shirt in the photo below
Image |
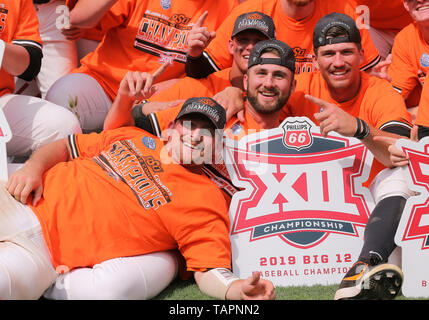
297	34
122	196
386	15
410	62
147	34
18	25
377	103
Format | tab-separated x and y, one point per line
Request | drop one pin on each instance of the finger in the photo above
130	82
240	116
25	193
254	278
37	194
317	101
159	71
201	19
147	86
414	134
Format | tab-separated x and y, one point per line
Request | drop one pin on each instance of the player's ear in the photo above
245	79
230	46
315	63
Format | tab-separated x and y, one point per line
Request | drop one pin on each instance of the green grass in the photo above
188	290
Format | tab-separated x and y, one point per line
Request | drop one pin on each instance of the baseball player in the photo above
268	83
294	21
249	28
410	55
143	35
33	121
130	198
344	99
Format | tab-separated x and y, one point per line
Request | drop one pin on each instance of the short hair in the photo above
337	32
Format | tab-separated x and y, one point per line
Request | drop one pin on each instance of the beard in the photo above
270	109
300	3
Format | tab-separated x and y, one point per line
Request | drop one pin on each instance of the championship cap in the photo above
286	59
255	21
331	20
205	106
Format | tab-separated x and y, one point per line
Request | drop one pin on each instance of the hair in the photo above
336	32
271	50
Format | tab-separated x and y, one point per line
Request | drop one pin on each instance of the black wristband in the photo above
362	130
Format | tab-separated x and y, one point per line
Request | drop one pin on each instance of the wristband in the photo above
362	130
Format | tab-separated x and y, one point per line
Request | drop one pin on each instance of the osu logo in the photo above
207	101
297	135
179	18
3	17
254	16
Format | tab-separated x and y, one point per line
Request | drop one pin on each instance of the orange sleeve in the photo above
90	145
403	70
27	28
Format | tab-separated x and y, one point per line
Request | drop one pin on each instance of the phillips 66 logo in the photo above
297	134
297	185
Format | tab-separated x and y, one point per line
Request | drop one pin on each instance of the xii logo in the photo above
298	185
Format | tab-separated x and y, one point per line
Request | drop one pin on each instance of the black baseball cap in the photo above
255	21
207	107
331	20
286	59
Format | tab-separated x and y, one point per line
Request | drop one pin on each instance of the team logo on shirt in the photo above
163	37
149	142
301	191
166	4
424	60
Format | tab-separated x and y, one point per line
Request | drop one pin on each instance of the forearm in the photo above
198	67
87	13
16	59
380	148
49	155
119	114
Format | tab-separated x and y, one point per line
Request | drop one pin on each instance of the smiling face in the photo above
268	85
241	45
419	10
339	65
192	140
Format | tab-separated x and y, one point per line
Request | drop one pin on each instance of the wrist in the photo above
362	130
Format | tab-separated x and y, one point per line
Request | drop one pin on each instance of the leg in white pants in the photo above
35	122
131	278
84	96
25	263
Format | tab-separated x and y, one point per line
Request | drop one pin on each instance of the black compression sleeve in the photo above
198	67
33	68
141	120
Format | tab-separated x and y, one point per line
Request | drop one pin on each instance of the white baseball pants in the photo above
26	270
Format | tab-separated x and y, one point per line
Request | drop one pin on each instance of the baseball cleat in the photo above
365	282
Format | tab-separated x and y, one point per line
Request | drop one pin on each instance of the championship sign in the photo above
300	214
413	230
5	136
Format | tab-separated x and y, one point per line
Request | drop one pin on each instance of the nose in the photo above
268	81
338	60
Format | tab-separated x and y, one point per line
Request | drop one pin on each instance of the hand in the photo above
333	118
255	288
199	37
73	33
231	98
137	85
380	70
397	156
24	181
